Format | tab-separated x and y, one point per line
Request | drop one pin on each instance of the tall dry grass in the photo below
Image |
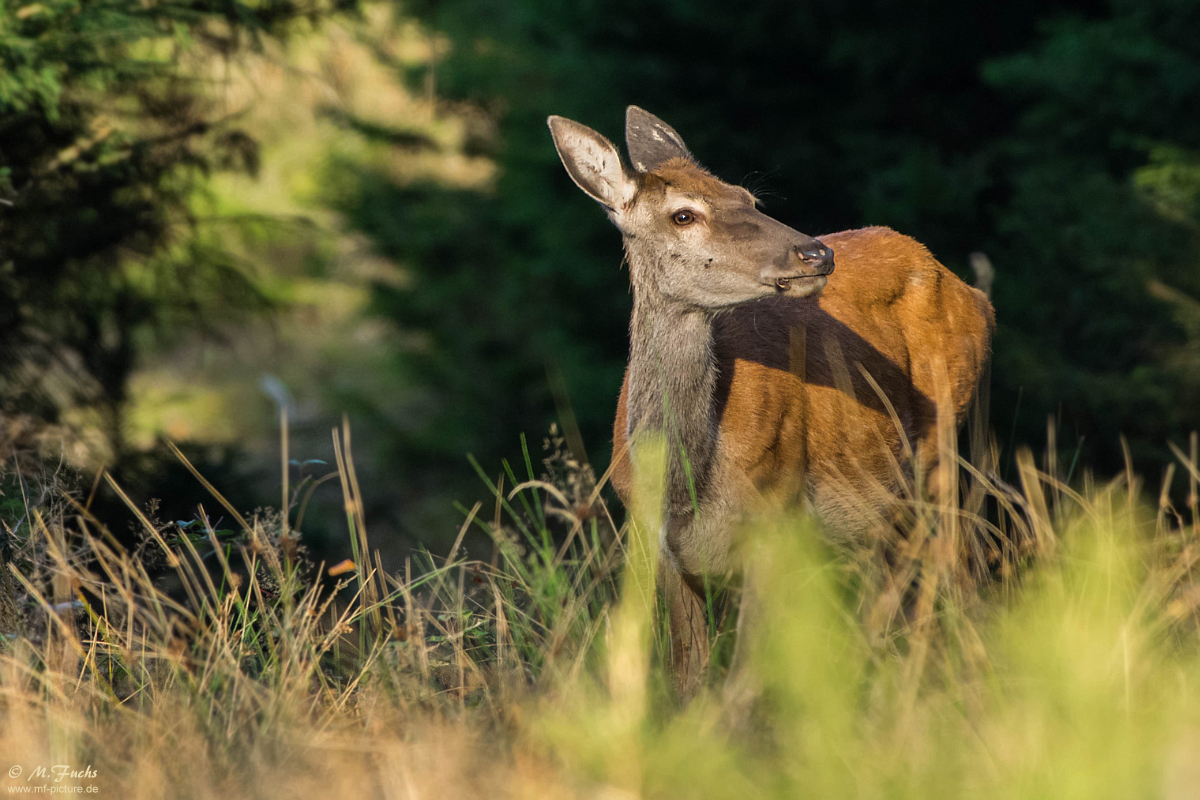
1037	641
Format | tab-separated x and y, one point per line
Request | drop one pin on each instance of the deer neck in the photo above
672	377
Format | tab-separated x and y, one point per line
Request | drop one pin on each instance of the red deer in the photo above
770	373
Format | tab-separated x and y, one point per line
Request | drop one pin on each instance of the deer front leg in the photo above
743	689
687	621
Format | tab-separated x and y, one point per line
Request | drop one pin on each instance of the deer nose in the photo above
815	256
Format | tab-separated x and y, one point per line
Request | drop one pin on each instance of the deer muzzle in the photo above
803	271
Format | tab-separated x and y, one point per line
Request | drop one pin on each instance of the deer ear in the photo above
593	163
651	141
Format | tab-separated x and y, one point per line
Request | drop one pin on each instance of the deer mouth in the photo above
799	284
799	280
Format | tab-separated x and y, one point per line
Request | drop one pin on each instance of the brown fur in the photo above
890	307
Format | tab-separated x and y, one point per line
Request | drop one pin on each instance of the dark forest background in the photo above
138	238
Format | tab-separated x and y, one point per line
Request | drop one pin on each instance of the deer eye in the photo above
682	218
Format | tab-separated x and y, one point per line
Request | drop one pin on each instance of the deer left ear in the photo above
651	141
594	164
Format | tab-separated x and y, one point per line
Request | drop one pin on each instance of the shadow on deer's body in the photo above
772	375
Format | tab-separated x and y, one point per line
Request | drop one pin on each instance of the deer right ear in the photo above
593	163
651	141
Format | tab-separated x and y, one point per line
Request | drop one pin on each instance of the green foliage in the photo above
1101	207
106	126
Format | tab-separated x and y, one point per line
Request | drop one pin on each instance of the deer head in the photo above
691	238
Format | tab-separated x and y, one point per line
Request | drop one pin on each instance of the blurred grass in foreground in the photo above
213	663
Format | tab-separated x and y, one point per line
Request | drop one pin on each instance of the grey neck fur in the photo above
672	377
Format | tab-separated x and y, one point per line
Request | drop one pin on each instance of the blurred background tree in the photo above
435	274
106	134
